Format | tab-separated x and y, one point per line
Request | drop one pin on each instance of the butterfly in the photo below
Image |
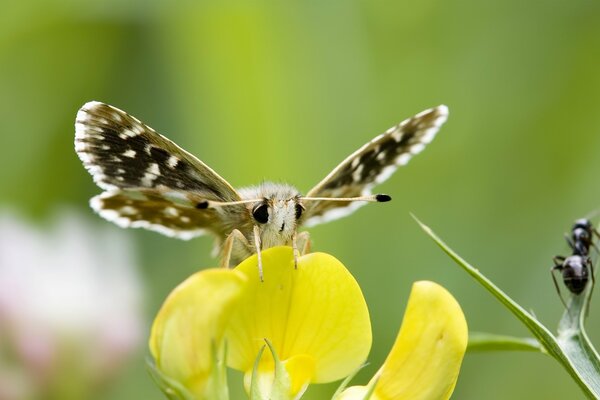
150	182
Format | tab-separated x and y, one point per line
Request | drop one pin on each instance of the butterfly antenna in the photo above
214	204
375	198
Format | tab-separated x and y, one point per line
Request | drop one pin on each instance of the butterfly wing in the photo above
372	164
146	176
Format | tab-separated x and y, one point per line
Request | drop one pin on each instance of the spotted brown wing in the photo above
372	164
154	211
150	182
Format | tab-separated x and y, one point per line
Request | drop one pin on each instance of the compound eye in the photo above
261	213
299	210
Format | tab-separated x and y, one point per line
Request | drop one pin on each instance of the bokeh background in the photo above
284	91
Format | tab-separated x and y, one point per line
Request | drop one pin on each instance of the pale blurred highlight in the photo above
70	298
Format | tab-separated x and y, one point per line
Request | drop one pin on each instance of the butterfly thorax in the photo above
276	213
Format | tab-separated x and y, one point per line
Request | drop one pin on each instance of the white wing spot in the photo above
356	175
417	148
136	130
86	157
128	210
148	178
184	219
403	159
151	174
429	134
171	212
172	161
126	133
148	149
355	162
385	173
154	169
380	156
129	153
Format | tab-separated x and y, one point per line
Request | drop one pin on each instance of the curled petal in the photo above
425	360
314	315
191	324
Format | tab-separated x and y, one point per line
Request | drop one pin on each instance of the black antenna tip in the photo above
382	198
202	205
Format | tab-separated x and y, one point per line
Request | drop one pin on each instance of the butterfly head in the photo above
278	212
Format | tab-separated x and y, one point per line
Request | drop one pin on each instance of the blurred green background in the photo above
285	90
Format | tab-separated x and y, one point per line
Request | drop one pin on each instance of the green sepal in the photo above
216	387
255	393
346	381
281	384
172	389
371	387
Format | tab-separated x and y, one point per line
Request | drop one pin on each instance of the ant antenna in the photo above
592	214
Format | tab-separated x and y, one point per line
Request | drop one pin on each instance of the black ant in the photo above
577	268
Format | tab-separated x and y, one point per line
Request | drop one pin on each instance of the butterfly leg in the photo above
301	245
232	246
257	246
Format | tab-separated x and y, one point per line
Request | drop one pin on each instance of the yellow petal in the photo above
191	321
426	358
316	311
301	369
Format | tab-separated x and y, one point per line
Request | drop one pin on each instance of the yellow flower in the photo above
188	330
426	358
314	317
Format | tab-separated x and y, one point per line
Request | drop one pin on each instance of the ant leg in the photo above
597	234
557	267
570	242
558	261
591	267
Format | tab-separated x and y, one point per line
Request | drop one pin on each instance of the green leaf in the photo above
572	349
574	341
480	341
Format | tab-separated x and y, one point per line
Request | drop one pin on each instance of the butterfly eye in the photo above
299	210
261	213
